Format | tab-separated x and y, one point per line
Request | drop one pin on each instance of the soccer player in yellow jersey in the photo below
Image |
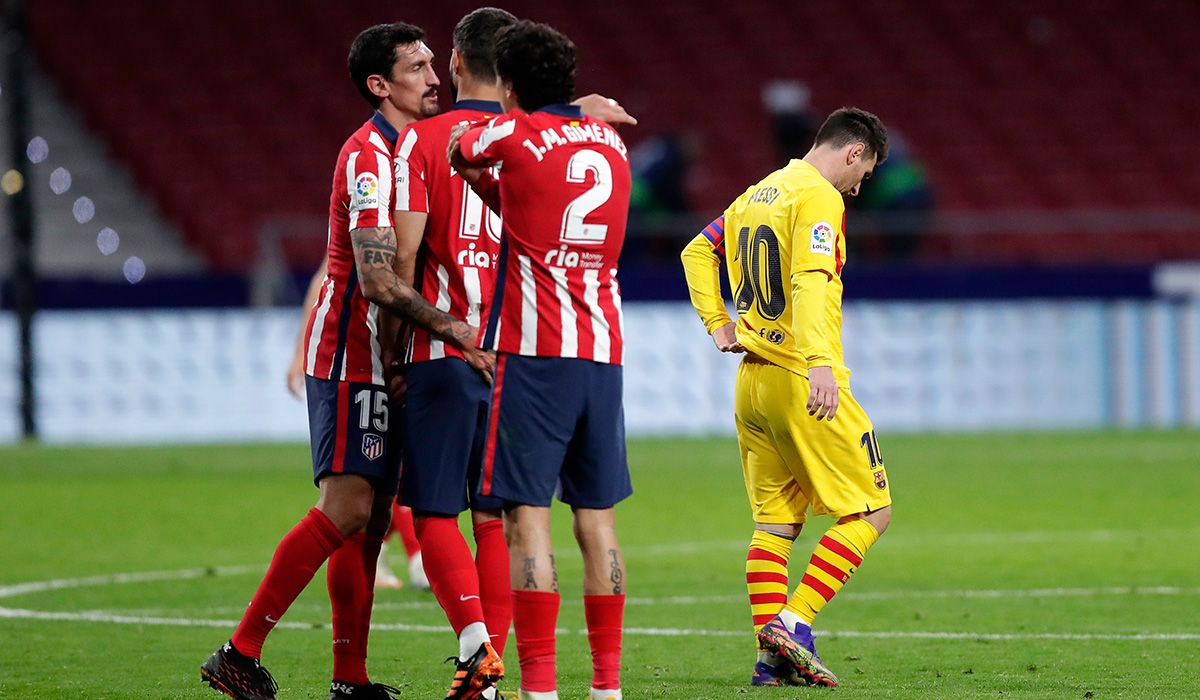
805	442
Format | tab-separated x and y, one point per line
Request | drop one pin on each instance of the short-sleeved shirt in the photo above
790	223
343	330
457	260
564	188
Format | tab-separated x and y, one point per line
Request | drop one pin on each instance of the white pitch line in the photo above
113	579
649	601
902	539
199	573
104	617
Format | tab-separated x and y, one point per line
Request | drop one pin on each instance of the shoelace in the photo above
265	675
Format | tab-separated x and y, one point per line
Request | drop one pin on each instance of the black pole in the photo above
16	94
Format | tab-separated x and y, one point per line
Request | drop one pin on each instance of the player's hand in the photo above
482	361
454	154
396	387
295	375
823	398
605	109
725	339
393	376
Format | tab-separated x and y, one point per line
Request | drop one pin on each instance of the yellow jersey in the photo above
784	245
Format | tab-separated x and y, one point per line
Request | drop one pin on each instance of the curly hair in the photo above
853	125
374	53
539	62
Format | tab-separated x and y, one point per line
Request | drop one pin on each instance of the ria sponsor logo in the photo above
475	258
563	256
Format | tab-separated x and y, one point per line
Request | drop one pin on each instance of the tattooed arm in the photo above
375	259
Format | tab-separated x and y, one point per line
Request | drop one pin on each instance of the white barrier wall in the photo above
167	376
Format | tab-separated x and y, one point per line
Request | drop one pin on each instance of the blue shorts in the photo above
444	419
349	430
556	424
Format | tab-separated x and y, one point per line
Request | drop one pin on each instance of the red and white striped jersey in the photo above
564	189
456	265
343	329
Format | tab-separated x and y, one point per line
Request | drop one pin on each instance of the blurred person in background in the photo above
900	200
794	122
784	254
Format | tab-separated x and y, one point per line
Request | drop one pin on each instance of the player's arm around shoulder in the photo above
481	146
701	260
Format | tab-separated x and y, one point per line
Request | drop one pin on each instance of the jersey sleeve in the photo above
486	145
369	183
411	173
816	258
817	231
488	189
714	233
702	267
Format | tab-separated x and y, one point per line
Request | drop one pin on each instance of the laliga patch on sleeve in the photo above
366	192
822	239
400	173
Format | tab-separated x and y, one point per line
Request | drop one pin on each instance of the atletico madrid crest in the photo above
372	447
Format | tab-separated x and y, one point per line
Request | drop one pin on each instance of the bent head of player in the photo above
474	54
393	70
855	141
536	64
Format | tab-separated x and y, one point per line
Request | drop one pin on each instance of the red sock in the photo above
299	554
491	564
535	615
351	578
450	569
604	614
402	523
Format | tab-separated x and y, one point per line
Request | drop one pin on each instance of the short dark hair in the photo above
539	61
475	39
374	53
853	125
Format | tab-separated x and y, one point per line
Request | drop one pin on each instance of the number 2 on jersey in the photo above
574	230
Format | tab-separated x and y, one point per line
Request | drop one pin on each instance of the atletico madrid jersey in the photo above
564	188
456	265
343	330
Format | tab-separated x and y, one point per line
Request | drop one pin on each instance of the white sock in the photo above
791	619
469	640
489	693
531	695
594	694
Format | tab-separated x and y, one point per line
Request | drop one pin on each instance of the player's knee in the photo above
787	530
879	519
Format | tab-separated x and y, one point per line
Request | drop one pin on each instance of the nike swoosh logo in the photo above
468	597
271	619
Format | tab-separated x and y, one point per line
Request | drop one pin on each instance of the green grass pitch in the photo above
1060	565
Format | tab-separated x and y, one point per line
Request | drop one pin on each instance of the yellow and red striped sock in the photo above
767	576
838	554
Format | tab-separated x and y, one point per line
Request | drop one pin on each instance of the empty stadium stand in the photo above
231	113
